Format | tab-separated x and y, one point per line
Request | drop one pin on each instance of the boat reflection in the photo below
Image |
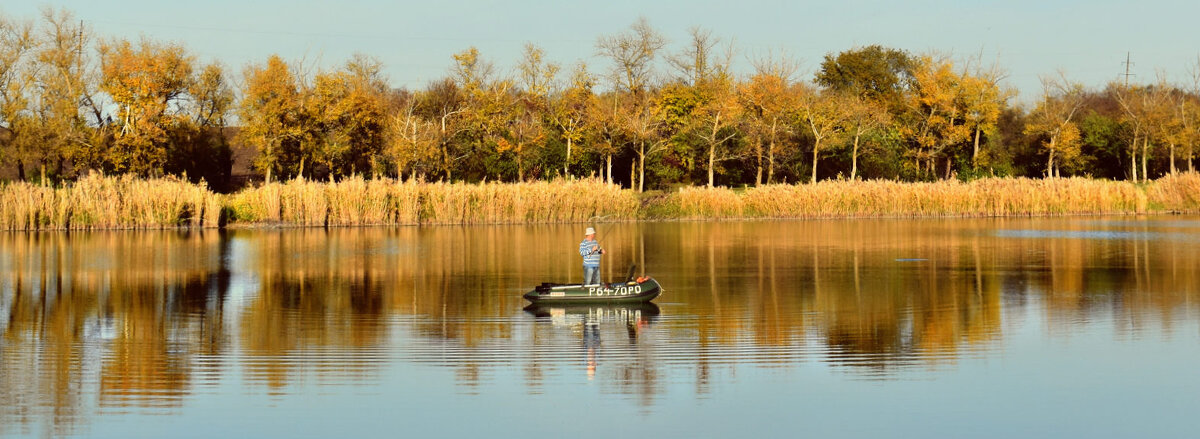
627	313
589	320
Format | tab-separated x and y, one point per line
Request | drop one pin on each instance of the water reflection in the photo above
100	323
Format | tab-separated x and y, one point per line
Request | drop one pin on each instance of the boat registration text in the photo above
625	290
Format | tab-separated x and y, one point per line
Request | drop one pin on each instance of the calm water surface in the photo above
1065	327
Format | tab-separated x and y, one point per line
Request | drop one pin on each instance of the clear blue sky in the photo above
1086	39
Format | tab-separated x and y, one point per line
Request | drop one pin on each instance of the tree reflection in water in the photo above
100	322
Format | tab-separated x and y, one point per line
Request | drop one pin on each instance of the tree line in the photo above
71	102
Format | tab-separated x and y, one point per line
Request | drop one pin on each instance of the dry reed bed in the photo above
1176	193
357	201
100	202
986	197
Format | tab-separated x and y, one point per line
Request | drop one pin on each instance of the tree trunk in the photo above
520	166
759	173
633	173
642	168
1172	158
712	160
854	158
1188	158
1133	174
771	155
816	149
1050	164
567	163
1145	152
20	170
608	159
975	152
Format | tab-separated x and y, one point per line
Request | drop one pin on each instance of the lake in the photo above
1017	327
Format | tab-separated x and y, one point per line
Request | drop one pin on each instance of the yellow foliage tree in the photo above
272	118
1052	121
935	120
768	97
568	110
348	110
145	82
823	115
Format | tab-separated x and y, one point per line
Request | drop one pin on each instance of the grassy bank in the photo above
98	202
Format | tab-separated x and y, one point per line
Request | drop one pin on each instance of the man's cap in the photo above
589	231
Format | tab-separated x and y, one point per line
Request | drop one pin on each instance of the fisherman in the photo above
591	251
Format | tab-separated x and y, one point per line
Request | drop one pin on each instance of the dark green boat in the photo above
632	290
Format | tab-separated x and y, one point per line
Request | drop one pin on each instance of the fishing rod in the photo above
596	229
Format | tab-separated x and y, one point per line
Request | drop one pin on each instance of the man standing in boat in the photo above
591	251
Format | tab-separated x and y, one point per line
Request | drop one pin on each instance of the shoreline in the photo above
99	202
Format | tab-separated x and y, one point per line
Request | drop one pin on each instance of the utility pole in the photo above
79	48
1127	65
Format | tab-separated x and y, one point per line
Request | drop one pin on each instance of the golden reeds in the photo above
1176	193
356	201
101	202
986	197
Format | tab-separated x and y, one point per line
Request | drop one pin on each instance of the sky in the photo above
1086	40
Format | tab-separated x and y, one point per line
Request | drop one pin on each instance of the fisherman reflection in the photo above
591	341
634	322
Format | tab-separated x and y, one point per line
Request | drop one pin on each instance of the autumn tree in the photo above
1158	112
146	82
714	121
412	141
934	120
488	103
212	96
632	54
716	111
1189	111
642	125
347	109
16	43
1143	109
982	100
769	98
824	117
1052	121
1174	129
445	105
568	110
527	125
272	117
871	83
65	88
862	117
604	122
1189	114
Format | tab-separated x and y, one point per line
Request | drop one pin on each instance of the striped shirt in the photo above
590	250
